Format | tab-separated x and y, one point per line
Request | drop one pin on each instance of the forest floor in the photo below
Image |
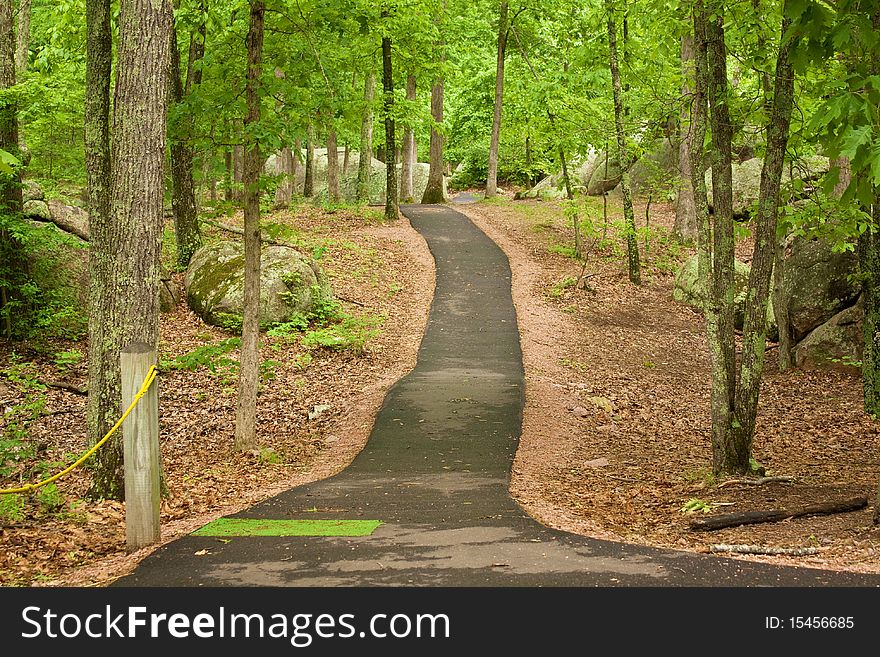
616	427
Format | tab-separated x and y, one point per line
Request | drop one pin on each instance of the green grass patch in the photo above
256	527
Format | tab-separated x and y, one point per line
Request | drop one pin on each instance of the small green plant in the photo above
301	362
213	357
11	508
269	456
50	498
349	334
694	504
563	250
567	282
67	360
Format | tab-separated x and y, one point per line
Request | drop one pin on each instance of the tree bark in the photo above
765	250
391	206
503	29
249	378
685	227
309	180
332	167
365	159
183	196
775	515
23	36
287	166
126	249
227	175
10	189
632	247
434	188
408	148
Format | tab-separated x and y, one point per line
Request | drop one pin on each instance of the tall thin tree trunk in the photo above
332	166
765	250
129	270
287	169
346	157
503	29
238	169
10	189
685	227
103	389
408	148
183	197
391	206
23	36
632	247
365	160
309	180
227	175
434	188
249	376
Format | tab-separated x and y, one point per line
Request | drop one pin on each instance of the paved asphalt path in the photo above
435	472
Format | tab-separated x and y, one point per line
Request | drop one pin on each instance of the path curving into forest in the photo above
433	476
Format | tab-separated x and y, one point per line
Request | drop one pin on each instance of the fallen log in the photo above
755	517
760	481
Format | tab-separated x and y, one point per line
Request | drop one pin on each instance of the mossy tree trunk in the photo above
632	247
183	196
127	267
735	387
765	250
249	379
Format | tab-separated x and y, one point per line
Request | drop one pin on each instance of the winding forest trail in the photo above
435	474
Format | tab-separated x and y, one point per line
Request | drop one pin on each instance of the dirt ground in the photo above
616	427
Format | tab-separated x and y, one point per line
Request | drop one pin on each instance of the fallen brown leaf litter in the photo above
616	428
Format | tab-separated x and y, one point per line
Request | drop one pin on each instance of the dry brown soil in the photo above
616	426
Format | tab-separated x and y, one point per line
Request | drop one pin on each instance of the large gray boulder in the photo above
604	180
657	170
32	191
819	283
36	210
690	290
290	284
747	180
836	344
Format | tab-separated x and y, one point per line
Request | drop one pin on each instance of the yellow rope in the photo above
148	381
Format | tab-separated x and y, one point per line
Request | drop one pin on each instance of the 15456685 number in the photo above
821	622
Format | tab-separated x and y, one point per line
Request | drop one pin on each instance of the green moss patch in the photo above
258	527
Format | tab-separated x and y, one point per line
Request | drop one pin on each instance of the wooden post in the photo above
140	433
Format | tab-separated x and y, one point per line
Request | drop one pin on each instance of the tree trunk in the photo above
183	196
365	160
765	249
332	167
127	253
434	189
227	177
503	29
309	180
390	163
685	227
780	307
10	189
346	157
249	376
287	166
632	247
99	54
23	36
238	169
408	148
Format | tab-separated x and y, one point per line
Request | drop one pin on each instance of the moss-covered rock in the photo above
32	191
37	210
836	344
819	283
290	284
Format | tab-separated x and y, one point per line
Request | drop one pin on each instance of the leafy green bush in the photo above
350	334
